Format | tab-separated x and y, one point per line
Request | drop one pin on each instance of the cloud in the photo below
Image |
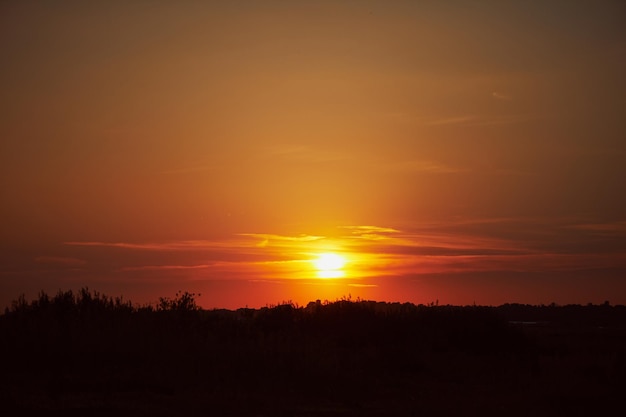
503	120
501	96
370	232
443	121
266	281
164	267
475	120
535	263
155	246
298	238
114	245
304	153
425	166
442	250
370	229
602	228
269	241
188	170
362	285
60	261
432	239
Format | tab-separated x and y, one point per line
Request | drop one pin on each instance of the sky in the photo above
456	152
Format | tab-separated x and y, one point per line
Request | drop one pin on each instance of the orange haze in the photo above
454	151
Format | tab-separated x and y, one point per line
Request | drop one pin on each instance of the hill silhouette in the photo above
85	353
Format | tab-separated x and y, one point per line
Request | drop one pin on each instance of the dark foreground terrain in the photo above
80	354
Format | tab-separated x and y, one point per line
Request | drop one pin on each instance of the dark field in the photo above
87	354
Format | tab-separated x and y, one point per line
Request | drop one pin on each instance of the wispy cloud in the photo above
370	229
370	232
60	261
424	166
502	120
303	153
501	96
267	236
266	281
362	285
476	120
164	267
444	121
188	170
156	246
528	263
618	227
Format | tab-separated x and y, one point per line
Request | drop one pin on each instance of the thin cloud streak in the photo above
604	228
475	120
163	267
445	121
304	153
156	246
425	166
189	170
501	96
299	238
370	229
60	261
370	232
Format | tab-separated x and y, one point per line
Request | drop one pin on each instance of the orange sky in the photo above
452	151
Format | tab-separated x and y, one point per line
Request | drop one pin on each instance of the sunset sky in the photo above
460	151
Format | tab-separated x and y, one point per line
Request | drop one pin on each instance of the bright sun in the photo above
329	265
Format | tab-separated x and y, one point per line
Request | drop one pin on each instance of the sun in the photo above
329	265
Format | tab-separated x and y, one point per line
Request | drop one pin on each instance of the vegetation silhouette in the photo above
85	353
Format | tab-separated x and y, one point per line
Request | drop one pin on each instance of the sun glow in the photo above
329	265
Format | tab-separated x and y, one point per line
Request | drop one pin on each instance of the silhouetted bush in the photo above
361	356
